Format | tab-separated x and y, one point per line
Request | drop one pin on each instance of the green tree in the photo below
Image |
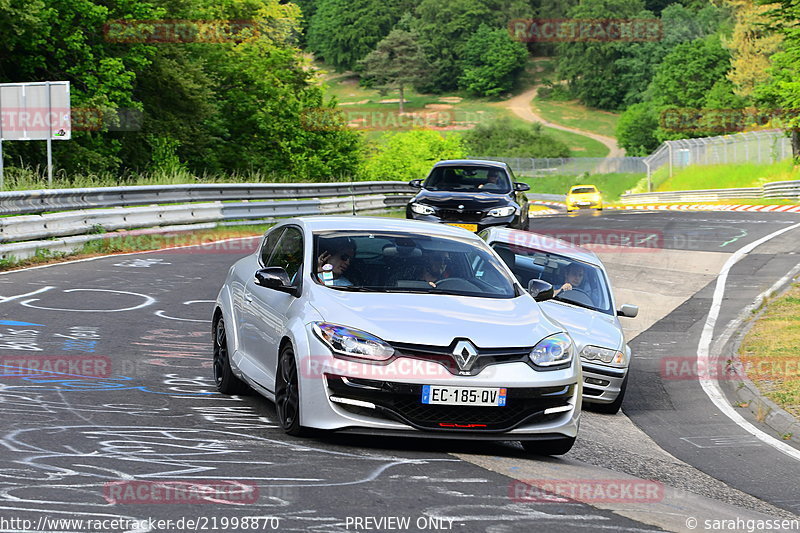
410	154
491	62
396	62
341	32
504	138
636	130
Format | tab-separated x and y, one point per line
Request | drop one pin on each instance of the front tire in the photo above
548	447
287	393
224	378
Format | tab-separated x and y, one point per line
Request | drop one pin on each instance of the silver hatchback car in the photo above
581	301
394	327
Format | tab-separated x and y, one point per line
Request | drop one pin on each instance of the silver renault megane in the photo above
395	327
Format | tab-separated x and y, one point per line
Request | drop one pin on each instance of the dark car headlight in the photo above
422	209
506	211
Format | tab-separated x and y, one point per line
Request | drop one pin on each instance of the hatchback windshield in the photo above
587	283
583	190
468	178
406	262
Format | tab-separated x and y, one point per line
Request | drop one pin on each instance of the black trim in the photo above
415	434
615	373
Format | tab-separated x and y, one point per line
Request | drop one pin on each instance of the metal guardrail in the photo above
41	201
782	189
708	195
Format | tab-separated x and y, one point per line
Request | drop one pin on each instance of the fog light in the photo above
595	381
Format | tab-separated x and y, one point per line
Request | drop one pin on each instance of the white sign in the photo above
35	111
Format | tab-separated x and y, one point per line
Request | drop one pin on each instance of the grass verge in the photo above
770	354
578	116
723	176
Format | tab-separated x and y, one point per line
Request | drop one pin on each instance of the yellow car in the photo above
584	197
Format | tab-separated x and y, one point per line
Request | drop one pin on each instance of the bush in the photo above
410	155
504	138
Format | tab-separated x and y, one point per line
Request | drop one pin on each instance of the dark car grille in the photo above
466	215
402	402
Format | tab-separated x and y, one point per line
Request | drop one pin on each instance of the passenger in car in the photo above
334	259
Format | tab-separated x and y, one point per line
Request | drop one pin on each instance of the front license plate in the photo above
471	227
435	394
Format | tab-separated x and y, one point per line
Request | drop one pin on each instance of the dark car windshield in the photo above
588	282
407	262
468	178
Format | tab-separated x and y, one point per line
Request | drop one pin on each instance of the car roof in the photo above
458	162
319	223
545	243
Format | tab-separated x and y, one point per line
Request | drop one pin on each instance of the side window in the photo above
269	245
289	253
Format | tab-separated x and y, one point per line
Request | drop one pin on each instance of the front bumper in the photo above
384	399
478	220
601	384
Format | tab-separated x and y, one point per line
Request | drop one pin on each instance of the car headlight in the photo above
553	350
503	211
422	209
604	355
352	342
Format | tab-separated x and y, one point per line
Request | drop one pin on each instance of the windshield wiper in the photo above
573	302
357	288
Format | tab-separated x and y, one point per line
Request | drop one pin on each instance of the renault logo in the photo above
465	353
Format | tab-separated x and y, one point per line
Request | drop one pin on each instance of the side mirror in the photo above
540	290
277	279
417	184
629	311
521	187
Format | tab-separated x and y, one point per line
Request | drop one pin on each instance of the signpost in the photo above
35	111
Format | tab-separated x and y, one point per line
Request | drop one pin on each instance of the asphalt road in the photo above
136	403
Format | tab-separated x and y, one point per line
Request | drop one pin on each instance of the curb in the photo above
778	208
742	388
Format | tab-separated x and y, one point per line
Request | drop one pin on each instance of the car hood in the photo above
470	200
437	319
586	326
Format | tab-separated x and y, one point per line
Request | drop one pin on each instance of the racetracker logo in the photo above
585	30
586	490
317	366
690	368
693	120
59	366
596	240
327	119
181	491
179	31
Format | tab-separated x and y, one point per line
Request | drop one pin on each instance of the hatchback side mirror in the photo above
417	184
276	278
521	187
628	311
540	290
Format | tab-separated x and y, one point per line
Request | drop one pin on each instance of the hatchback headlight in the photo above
604	355
553	350
422	209
503	211
352	342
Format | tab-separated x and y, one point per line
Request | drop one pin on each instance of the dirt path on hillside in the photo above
521	106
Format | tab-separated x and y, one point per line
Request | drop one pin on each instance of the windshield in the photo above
584	190
587	283
406	262
468	178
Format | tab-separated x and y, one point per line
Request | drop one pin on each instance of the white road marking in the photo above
711	387
147	301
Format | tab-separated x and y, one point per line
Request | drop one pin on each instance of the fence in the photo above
760	147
